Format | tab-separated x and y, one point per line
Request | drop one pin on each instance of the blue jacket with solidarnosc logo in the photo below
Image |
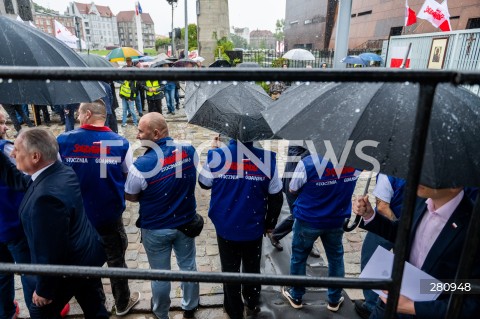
169	199
325	201
10	226
238	203
103	198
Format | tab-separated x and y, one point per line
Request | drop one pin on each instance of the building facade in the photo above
243	33
22	8
311	24
99	24
127	29
262	39
46	22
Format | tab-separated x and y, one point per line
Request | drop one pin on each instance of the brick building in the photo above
262	39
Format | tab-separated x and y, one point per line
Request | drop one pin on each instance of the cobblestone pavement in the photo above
207	249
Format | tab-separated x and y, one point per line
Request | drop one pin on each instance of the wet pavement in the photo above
211	294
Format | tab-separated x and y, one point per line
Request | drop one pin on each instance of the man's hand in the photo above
405	306
40	301
361	206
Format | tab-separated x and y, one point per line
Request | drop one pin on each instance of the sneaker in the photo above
173	113
275	243
314	252
295	303
134	298
177	107
361	309
124	125
189	314
335	306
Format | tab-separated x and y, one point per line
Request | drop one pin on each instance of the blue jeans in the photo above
170	98
128	105
138	104
69	110
304	237
158	245
371	242
14	251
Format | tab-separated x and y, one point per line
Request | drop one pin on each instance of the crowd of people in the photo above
51	213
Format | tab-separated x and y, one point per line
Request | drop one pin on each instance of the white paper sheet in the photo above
380	267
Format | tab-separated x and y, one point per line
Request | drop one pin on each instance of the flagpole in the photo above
186	30
138	21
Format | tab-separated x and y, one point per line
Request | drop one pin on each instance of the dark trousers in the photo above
12	110
155	106
111	122
14	251
232	255
44	110
285	227
115	243
88	293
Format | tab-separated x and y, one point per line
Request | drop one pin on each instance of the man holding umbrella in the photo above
128	92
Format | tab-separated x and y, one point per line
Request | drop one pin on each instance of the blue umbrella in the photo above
353	59
370	57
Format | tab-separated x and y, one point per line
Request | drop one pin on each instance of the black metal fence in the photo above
427	80
271	58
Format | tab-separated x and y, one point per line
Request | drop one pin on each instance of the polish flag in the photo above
397	56
410	16
436	13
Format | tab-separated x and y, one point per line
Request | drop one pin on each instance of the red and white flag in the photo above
410	16
436	13
398	55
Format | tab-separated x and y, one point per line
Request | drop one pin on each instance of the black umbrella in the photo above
161	63
230	108
385	114
22	45
220	64
95	61
184	63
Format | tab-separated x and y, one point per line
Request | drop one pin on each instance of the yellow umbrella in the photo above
119	54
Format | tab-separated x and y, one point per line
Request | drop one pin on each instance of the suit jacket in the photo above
57	229
443	258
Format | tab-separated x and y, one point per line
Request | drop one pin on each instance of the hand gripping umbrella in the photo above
25	46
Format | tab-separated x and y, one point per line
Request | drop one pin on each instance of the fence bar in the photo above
467	259
9	74
417	150
193	276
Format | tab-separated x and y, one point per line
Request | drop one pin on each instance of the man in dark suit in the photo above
436	241
57	229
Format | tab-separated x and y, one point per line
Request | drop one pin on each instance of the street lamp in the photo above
173	3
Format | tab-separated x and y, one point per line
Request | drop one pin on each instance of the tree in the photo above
162	42
192	36
223	45
279	29
238	41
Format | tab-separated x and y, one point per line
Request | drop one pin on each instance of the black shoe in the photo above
188	314
361	309
177	107
275	243
249	312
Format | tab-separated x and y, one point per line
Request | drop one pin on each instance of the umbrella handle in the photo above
348	228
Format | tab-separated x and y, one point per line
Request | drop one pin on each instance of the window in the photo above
396	31
308	21
353	15
47	22
473	23
294	22
364	13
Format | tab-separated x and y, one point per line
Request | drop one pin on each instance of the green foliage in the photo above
162	42
279	62
192	36
238	41
150	51
223	45
99	52
39	8
279	30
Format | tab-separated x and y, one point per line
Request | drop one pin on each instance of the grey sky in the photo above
254	14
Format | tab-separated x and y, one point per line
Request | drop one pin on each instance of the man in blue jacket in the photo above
245	204
324	201
13	243
57	229
163	182
102	180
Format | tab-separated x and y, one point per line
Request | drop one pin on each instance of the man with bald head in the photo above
102	176
163	182
57	229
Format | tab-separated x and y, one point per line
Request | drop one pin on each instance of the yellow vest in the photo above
126	90
152	84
